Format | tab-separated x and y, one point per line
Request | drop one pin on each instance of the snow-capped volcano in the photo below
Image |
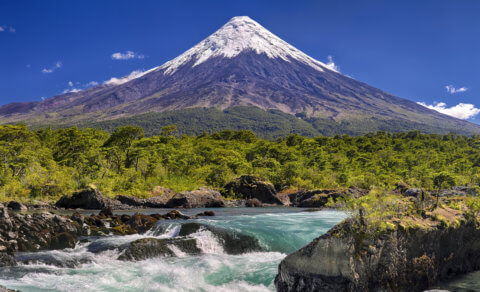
238	35
241	64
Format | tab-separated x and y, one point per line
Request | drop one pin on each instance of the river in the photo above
93	265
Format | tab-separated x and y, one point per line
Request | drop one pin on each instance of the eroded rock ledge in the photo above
402	259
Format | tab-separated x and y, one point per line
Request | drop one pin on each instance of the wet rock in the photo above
106	212
88	199
63	240
312	210
175	214
253	203
249	187
232	241
7	260
141	222
25	232
203	198
146	248
206	213
78	218
344	259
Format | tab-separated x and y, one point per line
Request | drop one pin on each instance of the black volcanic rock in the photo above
88	199
345	259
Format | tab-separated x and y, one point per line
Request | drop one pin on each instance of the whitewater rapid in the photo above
93	265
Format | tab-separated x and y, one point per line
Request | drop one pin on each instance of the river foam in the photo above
93	266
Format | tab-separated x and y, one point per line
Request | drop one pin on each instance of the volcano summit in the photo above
241	76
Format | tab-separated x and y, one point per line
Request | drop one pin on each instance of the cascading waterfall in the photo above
93	265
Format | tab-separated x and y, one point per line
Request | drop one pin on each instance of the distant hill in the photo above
241	65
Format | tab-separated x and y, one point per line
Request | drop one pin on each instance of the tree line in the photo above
44	164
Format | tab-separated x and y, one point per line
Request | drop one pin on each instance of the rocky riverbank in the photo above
409	250
246	191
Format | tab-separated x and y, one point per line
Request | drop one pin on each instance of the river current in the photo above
93	265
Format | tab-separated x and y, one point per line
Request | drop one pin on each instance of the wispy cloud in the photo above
7	28
451	89
132	75
91	84
77	86
127	56
71	90
331	64
52	69
462	111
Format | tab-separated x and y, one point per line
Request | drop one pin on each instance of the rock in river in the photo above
146	248
249	187
202	198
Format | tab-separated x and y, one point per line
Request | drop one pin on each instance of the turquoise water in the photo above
279	230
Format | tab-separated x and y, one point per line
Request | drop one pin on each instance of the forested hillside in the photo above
45	164
267	124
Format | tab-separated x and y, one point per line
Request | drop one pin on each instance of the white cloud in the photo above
132	75
71	90
127	55
91	83
79	87
7	28
451	89
57	66
462	111
331	64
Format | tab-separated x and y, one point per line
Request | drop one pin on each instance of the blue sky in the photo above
413	49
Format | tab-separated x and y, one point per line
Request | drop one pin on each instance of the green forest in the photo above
44	164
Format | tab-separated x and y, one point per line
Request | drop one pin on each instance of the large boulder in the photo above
153	202
231	241
352	258
88	199
249	187
159	199
146	248
17	206
202	198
